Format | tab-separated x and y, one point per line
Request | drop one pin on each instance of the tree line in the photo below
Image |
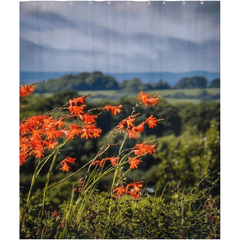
98	81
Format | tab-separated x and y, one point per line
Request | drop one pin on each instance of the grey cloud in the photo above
106	29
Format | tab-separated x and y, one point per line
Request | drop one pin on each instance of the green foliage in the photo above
215	83
186	159
183	174
195	215
193	82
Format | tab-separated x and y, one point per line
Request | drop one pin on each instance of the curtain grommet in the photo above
34	2
149	3
128	2
70	2
90	2
51	2
109	2
183	2
201	2
164	2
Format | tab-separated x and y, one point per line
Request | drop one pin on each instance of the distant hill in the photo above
100	81
83	81
215	83
149	77
191	83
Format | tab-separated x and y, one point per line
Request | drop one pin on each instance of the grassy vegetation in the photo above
182	100
181	167
111	94
193	92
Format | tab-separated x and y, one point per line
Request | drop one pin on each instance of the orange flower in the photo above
135	130
88	119
60	123
70	160
128	121
65	167
52	134
96	162
37	134
101	163
76	106
135	186
90	131
25	90
50	144
64	164
132	133
119	191
152	121
73	131
113	160
143	148
114	109
146	99
133	189
140	127
134	162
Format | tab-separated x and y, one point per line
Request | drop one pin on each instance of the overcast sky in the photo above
120	37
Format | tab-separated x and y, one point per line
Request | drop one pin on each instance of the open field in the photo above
114	94
193	92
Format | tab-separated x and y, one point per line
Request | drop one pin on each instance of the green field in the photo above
114	94
193	92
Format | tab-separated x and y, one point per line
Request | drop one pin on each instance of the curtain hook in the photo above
51	2
34	2
128	2
109	2
70	2
149	3
164	2
202	2
90	2
183	2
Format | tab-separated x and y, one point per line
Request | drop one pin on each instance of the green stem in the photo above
48	178
39	168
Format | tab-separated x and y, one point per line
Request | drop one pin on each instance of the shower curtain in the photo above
119	119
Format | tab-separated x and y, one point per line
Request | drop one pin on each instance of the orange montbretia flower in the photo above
114	109
90	131
146	99
85	131
127	126
134	162
119	191
132	189
128	122
113	160
25	90
143	148
135	130
74	130
65	162
37	134
89	119
151	121
76	106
